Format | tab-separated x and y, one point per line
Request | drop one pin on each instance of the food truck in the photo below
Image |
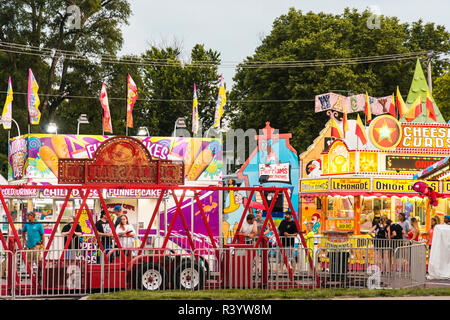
345	182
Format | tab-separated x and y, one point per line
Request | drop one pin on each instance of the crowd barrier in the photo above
77	272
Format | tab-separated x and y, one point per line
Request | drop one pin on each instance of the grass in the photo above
259	294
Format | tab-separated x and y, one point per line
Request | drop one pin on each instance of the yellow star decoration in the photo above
384	132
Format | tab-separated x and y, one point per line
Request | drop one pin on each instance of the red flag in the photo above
392	111
415	110
360	131
345	122
335	131
401	105
429	105
131	100
107	127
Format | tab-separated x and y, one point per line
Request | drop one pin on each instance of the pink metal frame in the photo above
84	191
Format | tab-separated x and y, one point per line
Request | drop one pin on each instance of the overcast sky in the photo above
234	27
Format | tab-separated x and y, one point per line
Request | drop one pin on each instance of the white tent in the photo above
439	262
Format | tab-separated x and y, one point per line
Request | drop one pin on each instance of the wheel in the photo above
188	276
152	276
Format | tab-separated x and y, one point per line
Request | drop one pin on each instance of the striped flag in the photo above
195	121
367	109
429	105
401	105
335	131
392	110
131	100
360	131
107	126
221	100
7	108
33	99
415	110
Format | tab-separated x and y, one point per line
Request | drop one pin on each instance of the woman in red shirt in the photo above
414	231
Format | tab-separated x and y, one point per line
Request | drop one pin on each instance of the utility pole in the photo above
430	55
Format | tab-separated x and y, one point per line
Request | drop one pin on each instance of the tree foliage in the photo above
298	36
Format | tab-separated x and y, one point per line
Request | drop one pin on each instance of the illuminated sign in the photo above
409	163
425	136
350	184
314	185
399	185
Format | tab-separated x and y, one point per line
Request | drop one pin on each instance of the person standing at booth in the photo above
104	231
75	238
118	213
126	234
249	228
33	238
288	231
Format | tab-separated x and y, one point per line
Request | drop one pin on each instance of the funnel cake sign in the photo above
121	159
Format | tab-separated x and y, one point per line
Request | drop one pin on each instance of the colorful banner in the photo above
131	100
7	108
399	185
314	185
195	121
17	157
221	100
107	126
350	184
355	103
33	99
36	156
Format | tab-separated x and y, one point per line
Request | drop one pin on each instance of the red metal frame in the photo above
84	191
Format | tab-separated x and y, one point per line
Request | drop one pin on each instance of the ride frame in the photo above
84	191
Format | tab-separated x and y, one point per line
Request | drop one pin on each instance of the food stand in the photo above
345	183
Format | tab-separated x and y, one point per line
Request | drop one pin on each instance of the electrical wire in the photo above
141	61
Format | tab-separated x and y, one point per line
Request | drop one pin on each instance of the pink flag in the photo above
107	127
131	99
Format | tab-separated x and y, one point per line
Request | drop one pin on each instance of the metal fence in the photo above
78	272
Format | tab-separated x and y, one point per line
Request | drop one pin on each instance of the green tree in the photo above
441	94
297	36
163	84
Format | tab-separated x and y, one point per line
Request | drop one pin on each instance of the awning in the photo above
432	169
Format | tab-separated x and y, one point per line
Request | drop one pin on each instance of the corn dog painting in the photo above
38	156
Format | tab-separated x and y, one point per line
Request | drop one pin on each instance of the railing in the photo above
78	272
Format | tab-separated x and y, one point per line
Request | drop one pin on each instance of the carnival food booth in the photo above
355	170
34	160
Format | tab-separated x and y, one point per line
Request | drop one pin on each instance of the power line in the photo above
107	58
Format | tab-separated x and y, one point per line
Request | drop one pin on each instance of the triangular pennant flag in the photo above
360	131
367	110
401	105
392	110
107	126
345	122
429	105
7	108
335	131
415	110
